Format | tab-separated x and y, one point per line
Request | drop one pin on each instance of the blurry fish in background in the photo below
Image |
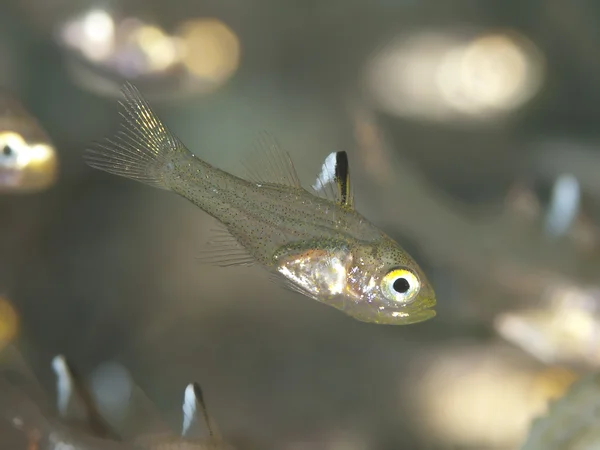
563	327
570	423
28	159
75	403
105	47
195	418
454	75
26	411
480	395
316	245
78	423
565	215
136	419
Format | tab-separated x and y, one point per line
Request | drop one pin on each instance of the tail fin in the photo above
144	147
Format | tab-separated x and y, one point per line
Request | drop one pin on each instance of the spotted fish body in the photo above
318	245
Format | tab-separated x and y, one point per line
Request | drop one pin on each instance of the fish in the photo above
35	425
313	243
571	422
28	158
77	423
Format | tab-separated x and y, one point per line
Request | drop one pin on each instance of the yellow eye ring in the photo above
400	285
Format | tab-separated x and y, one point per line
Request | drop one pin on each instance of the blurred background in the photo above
471	128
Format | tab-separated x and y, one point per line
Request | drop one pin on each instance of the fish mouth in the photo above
407	316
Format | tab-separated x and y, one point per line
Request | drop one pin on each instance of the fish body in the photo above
318	245
28	160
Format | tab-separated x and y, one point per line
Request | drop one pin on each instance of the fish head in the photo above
25	165
375	282
385	285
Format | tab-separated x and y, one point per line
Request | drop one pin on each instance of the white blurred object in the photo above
564	205
444	76
564	329
92	34
480	396
105	48
572	422
112	387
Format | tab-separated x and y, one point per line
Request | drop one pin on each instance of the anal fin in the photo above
223	250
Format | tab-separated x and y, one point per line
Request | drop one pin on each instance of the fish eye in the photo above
400	285
7	150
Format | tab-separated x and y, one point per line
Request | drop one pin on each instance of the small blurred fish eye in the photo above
104	48
28	160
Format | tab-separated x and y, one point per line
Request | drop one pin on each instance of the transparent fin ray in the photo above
223	250
269	163
142	147
333	181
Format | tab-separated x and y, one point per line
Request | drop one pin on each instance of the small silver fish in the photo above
28	160
317	245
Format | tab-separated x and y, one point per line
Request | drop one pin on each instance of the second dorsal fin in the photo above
333	181
193	406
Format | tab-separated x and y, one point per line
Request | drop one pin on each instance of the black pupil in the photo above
6	151
401	285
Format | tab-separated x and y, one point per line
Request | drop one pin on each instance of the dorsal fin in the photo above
193	405
269	163
75	402
333	181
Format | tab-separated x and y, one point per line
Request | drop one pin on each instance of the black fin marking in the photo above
192	402
333	181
